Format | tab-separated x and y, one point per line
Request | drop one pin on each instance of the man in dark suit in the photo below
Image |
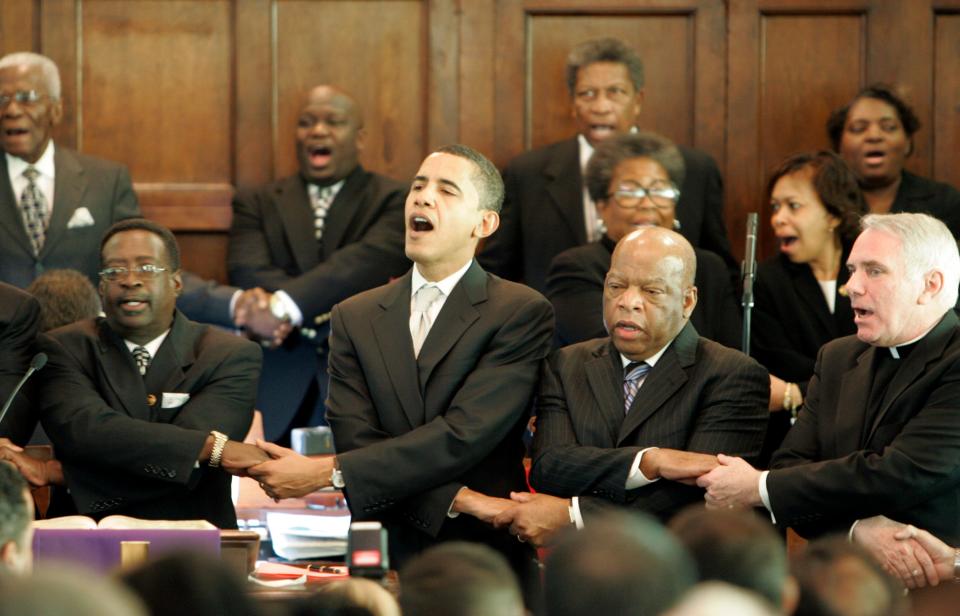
428	399
19	323
315	238
54	203
621	420
879	432
140	405
547	209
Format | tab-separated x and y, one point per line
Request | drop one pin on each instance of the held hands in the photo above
733	483
676	465
238	457
534	517
252	313
914	556
288	474
484	508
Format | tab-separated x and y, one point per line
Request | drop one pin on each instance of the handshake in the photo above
252	314
282	472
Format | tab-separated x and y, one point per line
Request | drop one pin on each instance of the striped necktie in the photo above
321	206
635	371
142	356
33	208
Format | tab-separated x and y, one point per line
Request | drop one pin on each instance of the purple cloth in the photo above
99	549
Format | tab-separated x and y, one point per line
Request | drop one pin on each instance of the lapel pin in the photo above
151	399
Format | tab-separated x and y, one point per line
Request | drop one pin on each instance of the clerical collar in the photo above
899	351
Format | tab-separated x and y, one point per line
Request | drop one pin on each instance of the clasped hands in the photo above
282	472
252	314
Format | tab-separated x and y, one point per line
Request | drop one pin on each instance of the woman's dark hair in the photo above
835	184
880	92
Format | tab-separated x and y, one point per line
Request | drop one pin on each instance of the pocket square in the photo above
172	400
81	218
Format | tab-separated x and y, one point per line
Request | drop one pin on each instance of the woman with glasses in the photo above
800	303
633	180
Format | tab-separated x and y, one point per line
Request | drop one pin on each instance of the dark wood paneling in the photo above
946	103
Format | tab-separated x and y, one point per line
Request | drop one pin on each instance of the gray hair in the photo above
625	146
604	50
49	72
927	245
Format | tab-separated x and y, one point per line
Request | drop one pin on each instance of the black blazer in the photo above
127	446
409	432
272	245
19	323
575	287
840	462
700	396
81	181
926	196
543	211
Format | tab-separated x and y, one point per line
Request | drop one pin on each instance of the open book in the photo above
122	522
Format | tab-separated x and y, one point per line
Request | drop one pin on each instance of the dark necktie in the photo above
634	372
321	206
142	356
33	209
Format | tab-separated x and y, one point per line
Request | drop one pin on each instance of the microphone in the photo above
749	273
39	361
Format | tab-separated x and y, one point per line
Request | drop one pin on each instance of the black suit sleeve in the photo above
206	301
418	470
17	345
357	266
577	298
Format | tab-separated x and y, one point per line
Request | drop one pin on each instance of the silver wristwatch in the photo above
336	476
219	442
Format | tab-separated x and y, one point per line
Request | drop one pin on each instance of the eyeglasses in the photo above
23	97
147	271
663	197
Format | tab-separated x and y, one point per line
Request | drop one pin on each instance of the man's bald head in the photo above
330	135
648	293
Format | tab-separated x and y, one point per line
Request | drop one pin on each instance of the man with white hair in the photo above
879	432
55	203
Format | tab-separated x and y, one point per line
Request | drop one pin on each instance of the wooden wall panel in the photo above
800	90
945	128
375	50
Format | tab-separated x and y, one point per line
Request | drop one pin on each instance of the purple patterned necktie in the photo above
634	371
34	210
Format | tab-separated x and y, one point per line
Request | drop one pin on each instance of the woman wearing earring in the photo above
800	303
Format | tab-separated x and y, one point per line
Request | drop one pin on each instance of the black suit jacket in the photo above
700	396
272	245
410	433
926	196
543	211
791	319
122	451
841	462
575	288
81	181
19	322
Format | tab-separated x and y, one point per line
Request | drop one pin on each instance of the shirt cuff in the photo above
765	496
575	516
291	308
636	478
850	532
233	303
450	512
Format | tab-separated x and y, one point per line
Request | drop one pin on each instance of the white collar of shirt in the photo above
896	354
446	285
651	361
153	346
16	166
314	190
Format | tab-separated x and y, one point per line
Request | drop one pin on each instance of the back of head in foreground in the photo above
457	578
620	563
740	548
56	591
838	578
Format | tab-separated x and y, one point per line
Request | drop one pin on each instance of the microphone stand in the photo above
749	273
